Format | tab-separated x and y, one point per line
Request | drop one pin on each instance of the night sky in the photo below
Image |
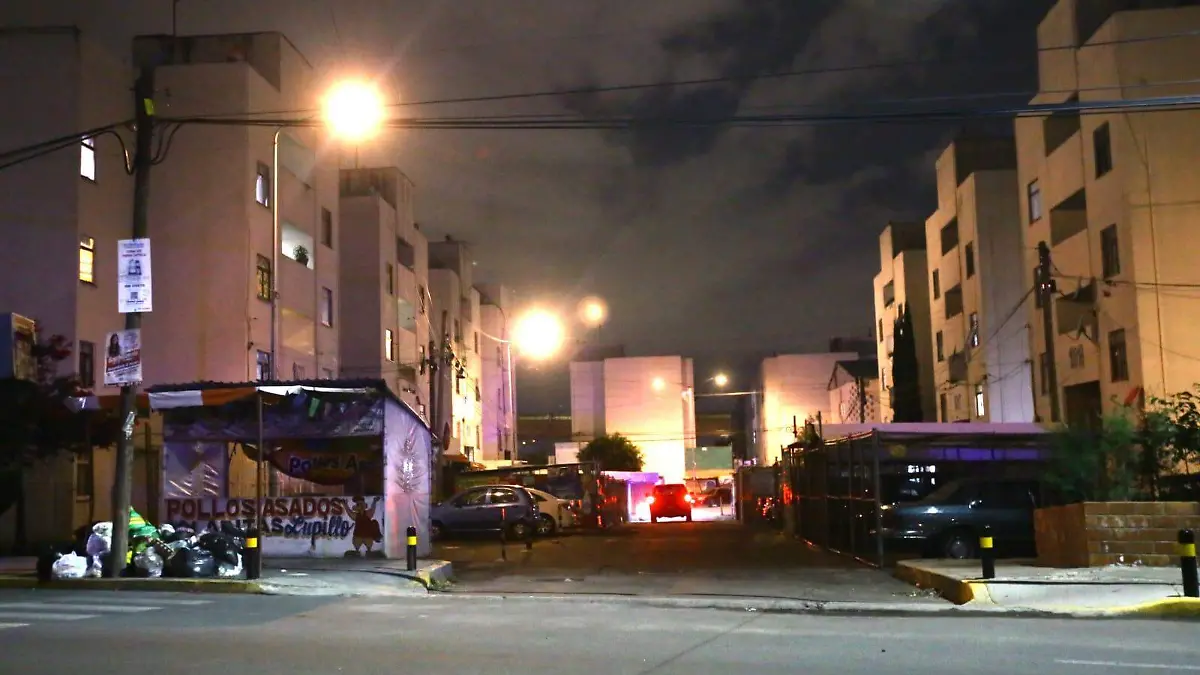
724	244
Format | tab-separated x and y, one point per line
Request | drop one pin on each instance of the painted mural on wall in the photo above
295	526
304	415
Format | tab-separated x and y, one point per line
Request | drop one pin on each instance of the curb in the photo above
974	593
227	586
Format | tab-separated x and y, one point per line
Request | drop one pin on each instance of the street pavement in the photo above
699	559
438	635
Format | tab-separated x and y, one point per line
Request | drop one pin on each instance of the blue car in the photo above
489	508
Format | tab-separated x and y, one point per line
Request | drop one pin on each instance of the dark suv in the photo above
670	501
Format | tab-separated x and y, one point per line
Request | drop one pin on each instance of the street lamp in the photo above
538	334
353	111
721	379
658	384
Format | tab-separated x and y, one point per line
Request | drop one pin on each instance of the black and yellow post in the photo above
1187	564
530	532
411	550
503	533
253	555
987	554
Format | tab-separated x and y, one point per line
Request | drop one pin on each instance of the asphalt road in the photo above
228	635
674	559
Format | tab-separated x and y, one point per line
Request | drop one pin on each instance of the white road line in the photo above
45	616
1119	664
146	601
12	625
76	607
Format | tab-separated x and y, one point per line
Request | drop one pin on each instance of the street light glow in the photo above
538	334
659	384
721	379
354	111
593	311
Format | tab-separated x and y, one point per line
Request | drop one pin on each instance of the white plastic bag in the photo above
150	562
69	566
227	571
99	543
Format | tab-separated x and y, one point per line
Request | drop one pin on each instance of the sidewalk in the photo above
346	577
1023	586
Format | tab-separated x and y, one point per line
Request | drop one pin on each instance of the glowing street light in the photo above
721	379
593	311
538	334
658	384
354	111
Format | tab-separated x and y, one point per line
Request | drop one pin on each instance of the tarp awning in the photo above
203	396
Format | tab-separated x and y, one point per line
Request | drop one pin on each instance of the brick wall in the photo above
1095	534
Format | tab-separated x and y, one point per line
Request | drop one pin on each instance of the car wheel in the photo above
436	531
654	519
519	531
689	517
960	545
546	526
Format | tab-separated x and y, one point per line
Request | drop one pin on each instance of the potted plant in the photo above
301	254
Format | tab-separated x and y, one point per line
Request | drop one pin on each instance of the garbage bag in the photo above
191	563
81	535
69	566
47	557
220	546
166	532
149	563
227	571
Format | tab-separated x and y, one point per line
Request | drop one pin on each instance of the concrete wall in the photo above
795	387
645	400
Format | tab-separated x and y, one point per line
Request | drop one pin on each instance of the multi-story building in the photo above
498	379
854	392
649	399
385	326
456	316
1113	197
62	210
977	286
794	389
902	283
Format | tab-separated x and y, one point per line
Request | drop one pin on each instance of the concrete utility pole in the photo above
143	160
437	410
1045	291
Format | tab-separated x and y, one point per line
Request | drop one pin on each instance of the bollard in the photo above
530	532
411	553
1187	564
987	554
503	533
253	555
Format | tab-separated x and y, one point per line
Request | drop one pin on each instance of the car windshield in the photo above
670	490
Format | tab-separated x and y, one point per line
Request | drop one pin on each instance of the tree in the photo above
613	452
38	425
1103	464
906	380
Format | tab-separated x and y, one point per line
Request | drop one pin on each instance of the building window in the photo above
973	338
1110	252
262	185
980	407
969	259
1118	355
327	228
879	330
941	347
883	381
942	407
1044	373
937	284
263	370
457	331
421	298
1035	202
389	344
87	260
891	344
421	358
262	277
391	279
1102	148
326	307
476	333
87	158
84	482
87	364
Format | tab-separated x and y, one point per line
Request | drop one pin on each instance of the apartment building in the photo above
978	292
497	375
648	399
902	283
385	327
61	214
456	316
794	389
1114	199
211	217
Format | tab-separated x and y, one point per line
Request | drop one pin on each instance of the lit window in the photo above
980	408
263	277
87	158
326	306
389	345
87	260
391	279
262	185
262	370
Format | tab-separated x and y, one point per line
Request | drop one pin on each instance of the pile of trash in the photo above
163	551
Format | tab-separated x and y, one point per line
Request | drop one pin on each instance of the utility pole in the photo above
862	401
436	395
143	160
1045	291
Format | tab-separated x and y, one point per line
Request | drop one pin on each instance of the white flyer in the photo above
133	276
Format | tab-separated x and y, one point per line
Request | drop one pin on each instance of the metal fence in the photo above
832	494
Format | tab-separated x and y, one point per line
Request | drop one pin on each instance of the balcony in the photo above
1075	313
957	367
954	301
1059	127
889	294
1068	218
949	236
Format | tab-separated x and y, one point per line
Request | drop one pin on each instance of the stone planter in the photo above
1095	534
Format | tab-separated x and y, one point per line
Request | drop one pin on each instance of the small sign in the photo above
123	358
133	276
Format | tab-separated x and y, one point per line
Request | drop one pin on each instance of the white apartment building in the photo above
456	316
795	389
385	327
1114	197
902	282
498	377
978	290
649	399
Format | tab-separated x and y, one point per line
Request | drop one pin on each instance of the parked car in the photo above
722	496
486	508
949	521
670	501
555	513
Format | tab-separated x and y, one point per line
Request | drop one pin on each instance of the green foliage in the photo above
906	383
1098	465
613	452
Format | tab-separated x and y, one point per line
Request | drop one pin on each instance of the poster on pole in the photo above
123	358
133	276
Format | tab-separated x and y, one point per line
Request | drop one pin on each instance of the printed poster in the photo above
133	276
123	358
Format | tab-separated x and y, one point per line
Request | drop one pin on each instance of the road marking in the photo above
12	625
1119	664
147	601
48	616
77	607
